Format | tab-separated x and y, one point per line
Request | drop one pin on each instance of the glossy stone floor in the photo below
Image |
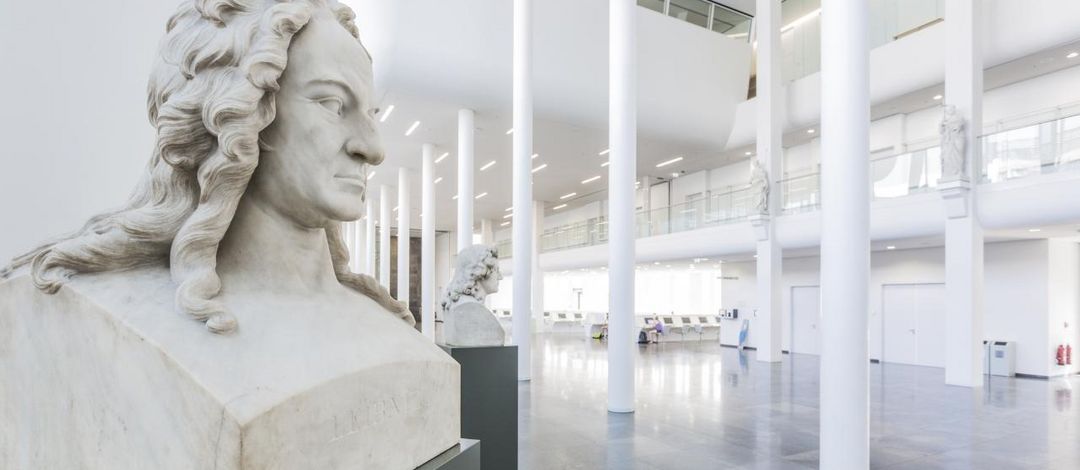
702	406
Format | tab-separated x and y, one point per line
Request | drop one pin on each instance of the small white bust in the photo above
467	321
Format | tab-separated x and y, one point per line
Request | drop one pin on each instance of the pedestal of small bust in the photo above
107	374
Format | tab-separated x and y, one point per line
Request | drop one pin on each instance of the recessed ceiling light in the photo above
1073	55
669	162
605	164
455	197
507	216
1035	230
541	167
800	20
510	131
442	157
590	180
605	152
412	128
489	165
560	206
656	263
395	209
386	114
749	153
674	175
480	196
370	176
810	131
567	196
504	224
438	180
938	97
508	209
890	247
535	155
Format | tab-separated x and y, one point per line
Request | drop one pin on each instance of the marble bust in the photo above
953	145
468	322
265	120
759	187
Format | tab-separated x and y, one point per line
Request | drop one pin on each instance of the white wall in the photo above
73	120
1064	303
1018	292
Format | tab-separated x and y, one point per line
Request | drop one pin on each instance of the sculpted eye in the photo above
334	105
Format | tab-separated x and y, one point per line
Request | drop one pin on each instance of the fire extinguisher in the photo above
1061	355
1068	354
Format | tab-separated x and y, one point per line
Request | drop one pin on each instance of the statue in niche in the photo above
953	146
467	321
266	129
759	187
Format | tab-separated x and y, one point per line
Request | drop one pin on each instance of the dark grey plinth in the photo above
489	406
464	456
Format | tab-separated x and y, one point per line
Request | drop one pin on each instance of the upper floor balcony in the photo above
1021	147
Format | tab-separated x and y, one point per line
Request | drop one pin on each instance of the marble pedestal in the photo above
465	456
489	401
106	374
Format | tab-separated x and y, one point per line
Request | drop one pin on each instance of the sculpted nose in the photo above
366	148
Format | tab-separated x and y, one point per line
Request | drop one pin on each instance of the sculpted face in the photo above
491	283
314	166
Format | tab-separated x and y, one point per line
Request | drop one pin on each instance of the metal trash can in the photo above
1003	358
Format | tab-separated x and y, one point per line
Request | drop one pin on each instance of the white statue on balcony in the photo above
759	187
953	146
467	322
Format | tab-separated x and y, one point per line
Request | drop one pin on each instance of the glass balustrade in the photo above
890	20
706	14
1034	144
1035	149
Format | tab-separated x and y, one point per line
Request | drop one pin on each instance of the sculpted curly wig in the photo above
211	92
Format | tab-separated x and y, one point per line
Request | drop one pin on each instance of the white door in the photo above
930	326
913	327
898	329
805	318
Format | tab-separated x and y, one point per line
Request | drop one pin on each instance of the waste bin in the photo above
1003	358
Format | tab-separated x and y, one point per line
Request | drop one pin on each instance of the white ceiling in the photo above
434	57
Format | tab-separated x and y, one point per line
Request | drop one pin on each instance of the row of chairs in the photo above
676	327
683	327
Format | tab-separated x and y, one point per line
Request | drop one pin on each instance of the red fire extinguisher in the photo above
1061	355
1068	354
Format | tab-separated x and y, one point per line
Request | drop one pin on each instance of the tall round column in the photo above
369	240
403	235
622	173
384	236
523	217
466	148
427	244
845	237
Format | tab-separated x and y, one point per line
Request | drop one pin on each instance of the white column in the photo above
427	245
537	273
466	147
384	236
523	150
403	235
622	128
770	155
358	257
487	232
369	240
845	238
963	230
347	237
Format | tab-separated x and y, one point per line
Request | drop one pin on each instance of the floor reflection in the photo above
702	406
